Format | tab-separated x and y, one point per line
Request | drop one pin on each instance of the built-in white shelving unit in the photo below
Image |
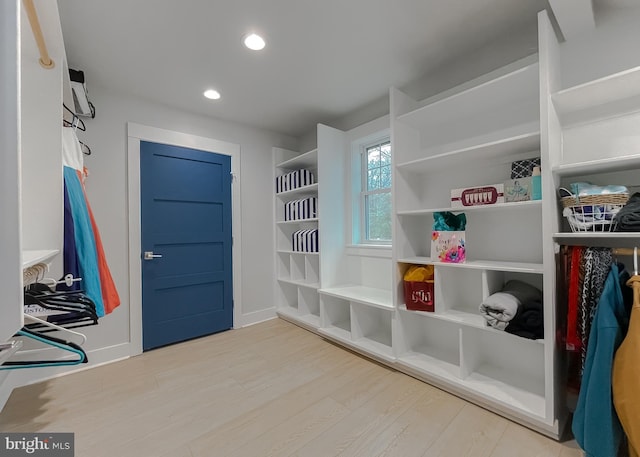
582	127
297	273
485	128
300	274
593	124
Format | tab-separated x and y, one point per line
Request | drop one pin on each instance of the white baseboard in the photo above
27	376
256	317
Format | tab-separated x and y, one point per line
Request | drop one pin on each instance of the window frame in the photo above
363	146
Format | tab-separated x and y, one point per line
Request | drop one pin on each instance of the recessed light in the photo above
212	94
254	42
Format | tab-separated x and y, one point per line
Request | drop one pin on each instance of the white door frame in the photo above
135	134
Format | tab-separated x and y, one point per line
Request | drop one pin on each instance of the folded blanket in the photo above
500	308
528	321
582	189
628	218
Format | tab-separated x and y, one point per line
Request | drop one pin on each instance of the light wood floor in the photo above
272	389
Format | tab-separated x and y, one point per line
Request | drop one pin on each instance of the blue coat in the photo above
596	426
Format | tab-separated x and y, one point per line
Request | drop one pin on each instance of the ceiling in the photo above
323	60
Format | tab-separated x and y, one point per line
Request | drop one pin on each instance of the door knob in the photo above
149	255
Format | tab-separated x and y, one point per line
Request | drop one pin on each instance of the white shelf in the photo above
298	221
466	319
522	139
500	389
519	267
496	207
282	251
5	354
610	89
337	333
603	239
432	366
306	160
526	401
599	166
294	314
30	258
376	348
477	100
364	345
378	298
304	190
299	283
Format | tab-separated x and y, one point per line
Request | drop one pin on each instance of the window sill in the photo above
370	250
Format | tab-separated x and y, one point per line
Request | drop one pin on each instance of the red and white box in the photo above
477	196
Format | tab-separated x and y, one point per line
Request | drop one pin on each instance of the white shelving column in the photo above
464	138
297	273
353	314
10	275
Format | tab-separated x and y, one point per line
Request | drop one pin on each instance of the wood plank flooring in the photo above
271	389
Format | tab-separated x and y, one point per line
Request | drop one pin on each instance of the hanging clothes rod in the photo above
44	60
624	251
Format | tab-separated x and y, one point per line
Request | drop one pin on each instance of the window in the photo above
375	195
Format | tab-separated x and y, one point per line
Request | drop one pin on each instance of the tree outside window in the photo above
376	192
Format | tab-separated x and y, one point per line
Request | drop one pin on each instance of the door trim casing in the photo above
135	134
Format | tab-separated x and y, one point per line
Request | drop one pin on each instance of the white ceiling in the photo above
323	60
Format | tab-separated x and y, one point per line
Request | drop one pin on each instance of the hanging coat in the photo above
626	375
596	426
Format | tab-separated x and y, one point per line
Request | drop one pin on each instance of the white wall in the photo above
610	47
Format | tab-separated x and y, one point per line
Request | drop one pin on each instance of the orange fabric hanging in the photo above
110	295
626	375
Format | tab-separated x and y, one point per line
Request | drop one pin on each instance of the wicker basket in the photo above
593	213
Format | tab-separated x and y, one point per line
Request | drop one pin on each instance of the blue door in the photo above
186	242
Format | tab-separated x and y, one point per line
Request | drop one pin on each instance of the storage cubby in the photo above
428	182
505	368
309	302
335	317
371	329
458	293
283	236
287	294
297	267
312	268
429	345
414	235
283	265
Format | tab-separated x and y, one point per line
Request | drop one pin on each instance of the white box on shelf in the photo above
476	196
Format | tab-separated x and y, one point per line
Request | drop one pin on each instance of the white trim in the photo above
256	317
369	250
136	133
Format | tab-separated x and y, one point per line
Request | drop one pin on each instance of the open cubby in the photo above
372	326
506	368
457	290
312	269
308	301
336	315
288	295
427	344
